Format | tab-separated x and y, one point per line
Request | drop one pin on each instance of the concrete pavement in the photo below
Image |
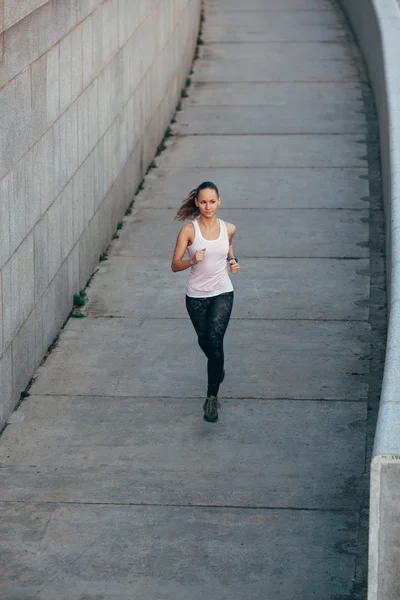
112	484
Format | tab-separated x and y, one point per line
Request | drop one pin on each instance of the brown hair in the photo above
188	208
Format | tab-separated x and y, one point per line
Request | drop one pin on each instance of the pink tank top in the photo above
209	277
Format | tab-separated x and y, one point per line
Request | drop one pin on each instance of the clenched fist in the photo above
199	256
234	266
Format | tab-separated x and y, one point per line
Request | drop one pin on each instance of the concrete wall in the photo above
87	90
377	26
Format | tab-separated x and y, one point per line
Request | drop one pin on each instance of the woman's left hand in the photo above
234	266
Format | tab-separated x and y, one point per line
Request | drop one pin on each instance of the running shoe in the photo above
210	407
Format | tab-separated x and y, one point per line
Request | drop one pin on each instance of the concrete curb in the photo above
376	24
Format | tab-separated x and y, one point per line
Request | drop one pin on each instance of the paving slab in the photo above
266	151
276	61
260	188
121	359
224	6
131	453
261	233
296	97
274	26
226	120
159	552
266	288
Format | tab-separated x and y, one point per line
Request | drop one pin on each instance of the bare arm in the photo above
178	262
234	266
182	241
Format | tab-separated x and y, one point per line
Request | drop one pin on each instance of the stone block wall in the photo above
87	89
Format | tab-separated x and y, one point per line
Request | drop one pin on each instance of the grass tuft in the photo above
80	299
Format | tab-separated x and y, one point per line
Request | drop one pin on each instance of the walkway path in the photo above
113	485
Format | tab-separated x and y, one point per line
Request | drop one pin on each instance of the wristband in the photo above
232	258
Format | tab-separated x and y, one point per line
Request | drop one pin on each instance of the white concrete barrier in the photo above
87	90
376	24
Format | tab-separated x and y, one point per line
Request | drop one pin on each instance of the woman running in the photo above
209	294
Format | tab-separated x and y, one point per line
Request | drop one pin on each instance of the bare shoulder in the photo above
186	232
187	229
231	229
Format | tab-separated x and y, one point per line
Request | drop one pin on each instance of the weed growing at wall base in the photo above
80	299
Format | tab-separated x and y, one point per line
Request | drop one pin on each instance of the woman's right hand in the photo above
198	257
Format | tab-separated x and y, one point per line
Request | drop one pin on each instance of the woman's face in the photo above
208	202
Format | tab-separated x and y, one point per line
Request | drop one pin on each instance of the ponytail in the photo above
188	208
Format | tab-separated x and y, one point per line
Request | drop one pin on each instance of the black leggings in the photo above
210	318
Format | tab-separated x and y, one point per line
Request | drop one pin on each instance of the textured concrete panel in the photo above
120	358
51	26
21	48
5	203
224	553
54	229
118	447
16	10
41	257
26	290
44	170
27	350
66	221
87	54
53	84
65	135
110	13
17	195
18	289
1	320
56	305
15	120
31	189
76	61
11	321
266	151
66	73
83	9
39	97
7	394
84	125
259	188
260	233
